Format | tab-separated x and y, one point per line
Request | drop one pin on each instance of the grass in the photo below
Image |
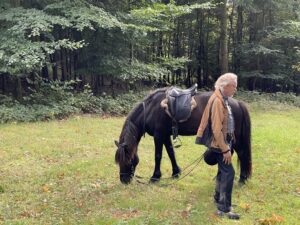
63	172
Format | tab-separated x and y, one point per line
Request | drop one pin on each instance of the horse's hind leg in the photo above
243	170
171	153
158	141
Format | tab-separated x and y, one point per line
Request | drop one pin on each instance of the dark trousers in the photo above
224	183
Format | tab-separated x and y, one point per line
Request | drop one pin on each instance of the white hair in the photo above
225	79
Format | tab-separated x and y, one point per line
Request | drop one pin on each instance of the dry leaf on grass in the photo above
45	188
185	213
274	219
61	175
125	214
245	206
28	214
214	218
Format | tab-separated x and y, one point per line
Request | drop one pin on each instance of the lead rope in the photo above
195	163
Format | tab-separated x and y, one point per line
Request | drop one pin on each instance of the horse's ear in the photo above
117	144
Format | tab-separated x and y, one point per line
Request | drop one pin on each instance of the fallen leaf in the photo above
61	176
45	188
298	190
271	220
185	213
245	206
28	214
214	218
104	191
125	214
189	207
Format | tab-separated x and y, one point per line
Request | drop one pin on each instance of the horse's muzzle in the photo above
125	179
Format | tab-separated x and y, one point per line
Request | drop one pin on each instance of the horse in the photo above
149	117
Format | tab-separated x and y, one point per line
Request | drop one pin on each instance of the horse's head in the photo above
127	159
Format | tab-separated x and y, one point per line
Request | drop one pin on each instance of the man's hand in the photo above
227	157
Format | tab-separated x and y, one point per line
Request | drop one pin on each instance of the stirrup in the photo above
176	142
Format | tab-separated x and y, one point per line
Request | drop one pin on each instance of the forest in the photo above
73	74
108	47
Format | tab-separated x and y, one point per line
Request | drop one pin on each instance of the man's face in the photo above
230	89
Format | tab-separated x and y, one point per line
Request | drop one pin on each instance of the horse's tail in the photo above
246	158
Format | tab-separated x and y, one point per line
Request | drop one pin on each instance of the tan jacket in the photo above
219	117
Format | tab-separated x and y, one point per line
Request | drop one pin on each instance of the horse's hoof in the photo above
154	180
177	173
242	182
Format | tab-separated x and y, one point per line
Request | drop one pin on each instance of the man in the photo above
222	124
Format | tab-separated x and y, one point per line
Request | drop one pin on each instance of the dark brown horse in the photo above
149	117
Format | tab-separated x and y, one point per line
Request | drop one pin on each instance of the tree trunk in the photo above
200	48
239	39
160	45
206	68
252	26
63	65
3	82
223	54
18	91
177	50
231	41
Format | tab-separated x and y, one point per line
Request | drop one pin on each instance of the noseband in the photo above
131	171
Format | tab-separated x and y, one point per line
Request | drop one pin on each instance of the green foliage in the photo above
18	52
161	16
52	100
57	100
259	50
122	104
29	35
270	100
131	71
84	15
289	30
174	63
31	22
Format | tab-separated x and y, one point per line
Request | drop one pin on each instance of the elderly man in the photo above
222	125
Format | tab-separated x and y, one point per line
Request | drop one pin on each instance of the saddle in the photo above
179	105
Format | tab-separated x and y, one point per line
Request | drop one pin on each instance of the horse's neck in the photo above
132	133
136	121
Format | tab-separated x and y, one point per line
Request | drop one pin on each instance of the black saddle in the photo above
179	102
176	92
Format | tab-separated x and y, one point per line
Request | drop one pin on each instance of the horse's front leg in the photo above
171	153
158	142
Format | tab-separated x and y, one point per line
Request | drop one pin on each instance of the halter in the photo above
129	173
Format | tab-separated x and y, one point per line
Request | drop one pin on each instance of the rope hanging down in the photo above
195	163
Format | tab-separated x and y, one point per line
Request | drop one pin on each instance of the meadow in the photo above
63	172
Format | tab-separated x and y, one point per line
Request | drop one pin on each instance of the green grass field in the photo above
63	172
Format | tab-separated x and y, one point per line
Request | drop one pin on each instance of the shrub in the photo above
57	100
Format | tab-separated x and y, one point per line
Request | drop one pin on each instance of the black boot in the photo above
230	215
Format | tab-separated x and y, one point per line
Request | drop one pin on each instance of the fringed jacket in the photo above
219	117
